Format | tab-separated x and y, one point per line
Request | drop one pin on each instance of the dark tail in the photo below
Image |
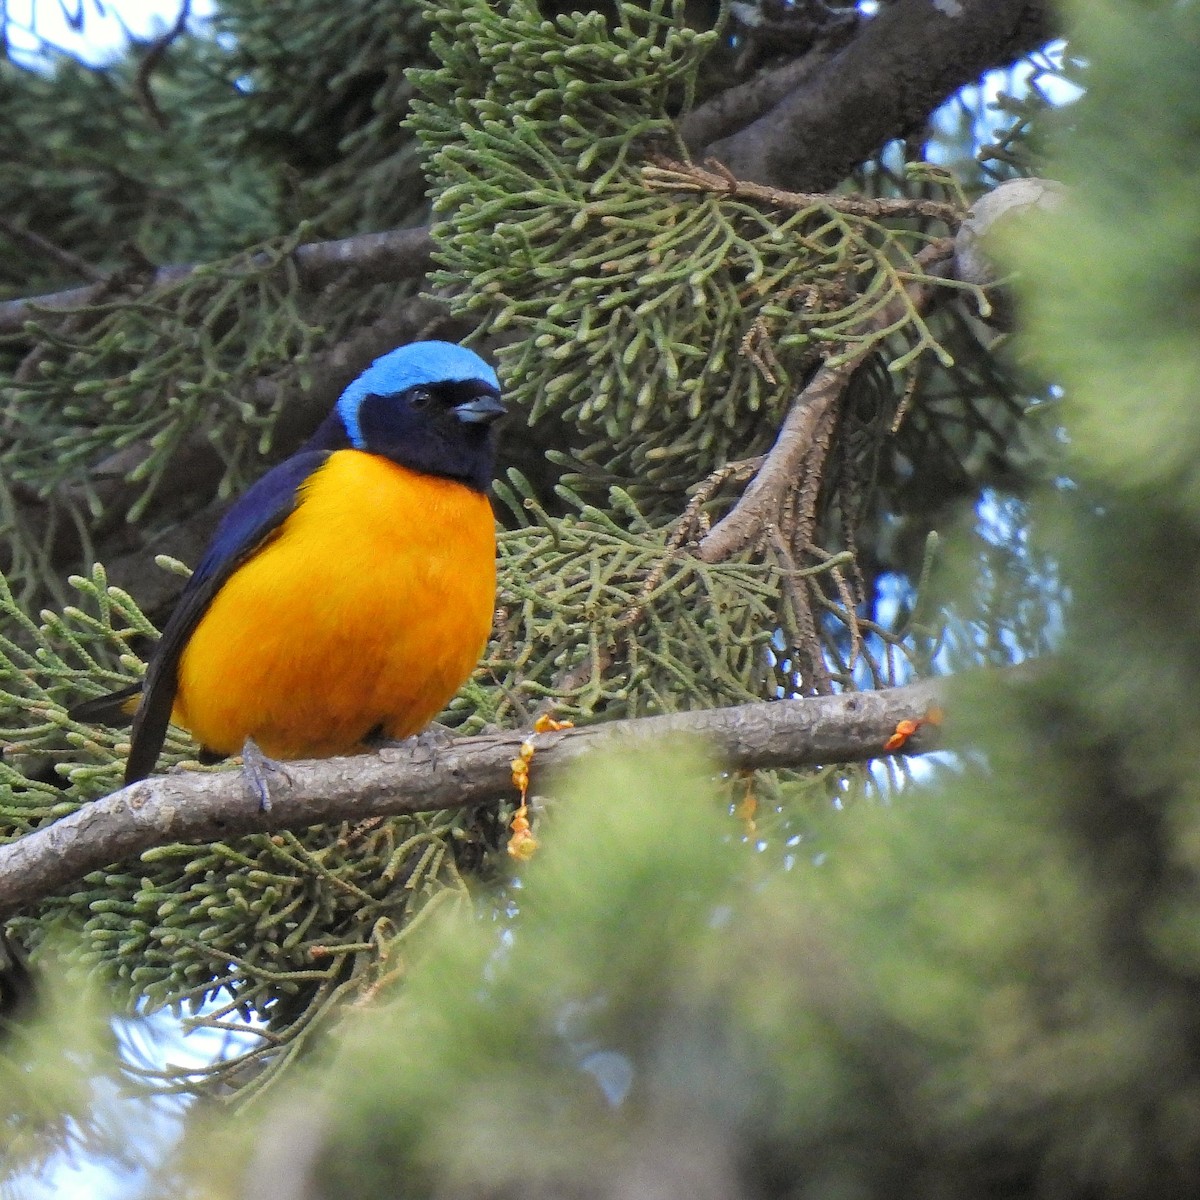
115	708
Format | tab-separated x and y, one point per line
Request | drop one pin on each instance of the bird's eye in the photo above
420	398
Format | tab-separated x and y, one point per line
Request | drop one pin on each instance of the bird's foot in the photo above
432	739
257	770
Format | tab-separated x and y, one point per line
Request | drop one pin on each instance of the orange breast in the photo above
369	609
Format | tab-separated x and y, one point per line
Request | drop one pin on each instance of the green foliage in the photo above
172	367
935	1010
608	571
84	165
320	90
1112	294
1032	116
280	114
601	975
44	667
533	127
58	1075
666	331
263	937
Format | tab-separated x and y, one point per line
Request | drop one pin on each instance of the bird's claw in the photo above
432	739
257	769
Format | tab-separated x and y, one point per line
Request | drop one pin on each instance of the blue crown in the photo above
410	366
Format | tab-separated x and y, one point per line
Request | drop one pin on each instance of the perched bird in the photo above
349	592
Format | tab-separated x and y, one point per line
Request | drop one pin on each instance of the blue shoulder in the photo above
259	510
252	519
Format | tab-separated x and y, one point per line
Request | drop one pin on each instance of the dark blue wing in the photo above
253	519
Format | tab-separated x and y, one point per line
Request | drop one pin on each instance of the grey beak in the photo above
483	410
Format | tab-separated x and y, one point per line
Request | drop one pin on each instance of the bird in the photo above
348	593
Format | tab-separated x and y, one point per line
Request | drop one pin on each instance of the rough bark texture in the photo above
884	84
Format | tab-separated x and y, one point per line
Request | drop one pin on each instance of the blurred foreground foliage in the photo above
926	1002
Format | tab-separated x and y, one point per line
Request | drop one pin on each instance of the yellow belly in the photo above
368	611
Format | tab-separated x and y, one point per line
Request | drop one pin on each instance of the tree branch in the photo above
761	503
884	84
375	257
200	807
737	106
666	174
142	91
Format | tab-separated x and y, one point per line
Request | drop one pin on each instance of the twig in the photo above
141	83
814	677
203	807
665	174
51	250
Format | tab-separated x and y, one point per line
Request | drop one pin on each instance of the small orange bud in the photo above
522	846
906	728
746	810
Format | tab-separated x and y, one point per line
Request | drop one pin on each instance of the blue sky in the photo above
102	25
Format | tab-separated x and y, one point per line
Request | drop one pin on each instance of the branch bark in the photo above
208	807
374	257
884	84
761	503
737	106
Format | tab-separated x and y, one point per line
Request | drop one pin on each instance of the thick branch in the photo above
884	84
374	257
760	504
207	807
737	106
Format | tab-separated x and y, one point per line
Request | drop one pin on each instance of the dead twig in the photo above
665	174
